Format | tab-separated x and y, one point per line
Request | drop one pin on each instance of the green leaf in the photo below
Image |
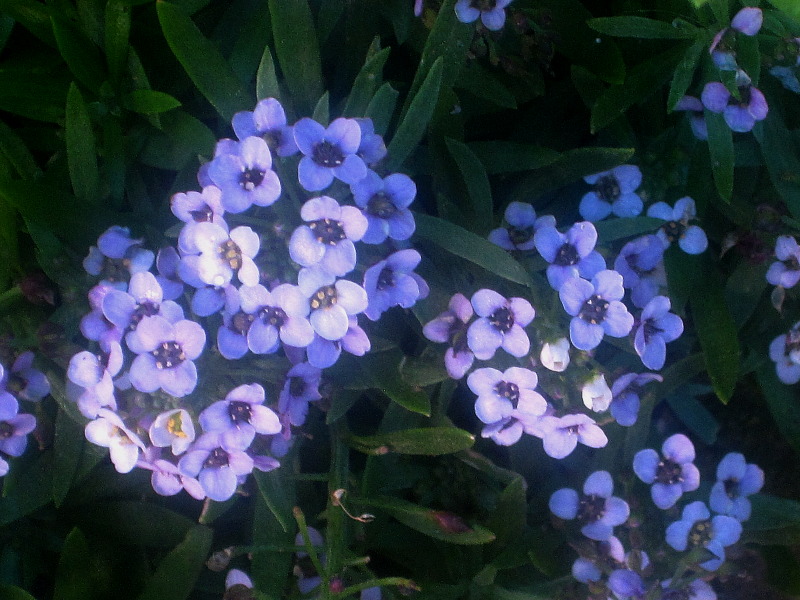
428	441
640	27
476	181
720	145
148	102
272	487
695	416
202	61
772	512
509	157
782	403
74	575
618	229
297	51
415	122
248	48
38	96
80	54
266	79
183	139
367	81
381	107
81	151
137	523
716	332
509	519
34	16
481	83
474	248
743	290
68	443
117	31
14	149
270	570
439	525
386	378
684	74
176	574
12	592
642	81
321	112
27	487
790	7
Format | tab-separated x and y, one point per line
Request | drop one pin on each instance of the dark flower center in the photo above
202	215
673	230
744	95
502	319
251	178
732	488
6	430
273	315
700	533
239	412
145	309
567	256
594	310
230	253
650	329
519	236
216	458
328	155
792	342
633	263
380	206
669	472
239	591
483	5
116	269
385	279
324	297
682	594
328	231
457	334
168	355
305	567
273	137
15	383
240	322
792	263
508	390
591	508
607	188
297	386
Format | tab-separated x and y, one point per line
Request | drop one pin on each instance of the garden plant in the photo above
382	299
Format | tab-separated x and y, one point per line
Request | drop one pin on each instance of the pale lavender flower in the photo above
331	301
392	282
23	380
491	12
596	508
657	326
784	351
300	388
328	152
736	479
596	394
213	255
670	474
385	203
522	225
560	435
500	324
570	254
451	327
280	314
243	172
200	207
173	428
267	121
216	468
240	416
697	528
625	391
555	355
785	272
506	394
108	431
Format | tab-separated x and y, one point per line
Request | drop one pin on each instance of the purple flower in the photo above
23	380
606	554
240	416
736	480
243	171
671	475
696	528
691	238
625	396
784	351
506	394
328	238
385	203
117	256
613	193
642	269
166	478
657	326
216	468
90	381
300	388
748	22
267	121
372	147
392	282
508	430
331	301
167	262
213	255
200	207
596	309
785	272
596	508
626	584
418	7
108	431
277	315
500	324
165	354
491	12
237	578
323	353
451	327
14	427
522	225
328	152
697	121
740	113
560	435
570	254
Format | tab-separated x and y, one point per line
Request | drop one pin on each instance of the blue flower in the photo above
213	255
596	508
671	475
695	590
742	113
691	238
385	205
697	120
216	467
625	391
23	380
506	394
372	147
748	22
323	353
696	528
200	207
641	266
736	480
240	416
784	351
596	309
626	584
300	388
243	171
491	12
277	315
560	435
392	282
657	326
167	262
522	225
570	254
500	324
90	379
328	152
116	257
451	327
14	427
785	272
331	301
613	193
267	121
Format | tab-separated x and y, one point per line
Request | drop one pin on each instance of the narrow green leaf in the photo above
176	574
479	82
782	403
80	54
684	74
202	61
618	229
474	248
68	443
381	107
33	16
6	27
640	27
327	17
720	8
716	331
695	416
509	520
415	122
321	112
386	378
12	592
270	570
743	290
429	441
27	487
117	31
137	523
367	81
38	96
297	51
266	79
477	183
255	34
184	139
74	575
642	81
81	151
14	149
720	145
509	157
790	7
273	489
149	102
439	525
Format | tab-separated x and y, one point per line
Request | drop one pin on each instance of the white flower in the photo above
555	355
596	393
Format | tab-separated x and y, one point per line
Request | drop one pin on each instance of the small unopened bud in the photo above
596	394
555	355
219	560
336	585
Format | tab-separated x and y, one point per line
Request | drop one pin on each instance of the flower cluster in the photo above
268	282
